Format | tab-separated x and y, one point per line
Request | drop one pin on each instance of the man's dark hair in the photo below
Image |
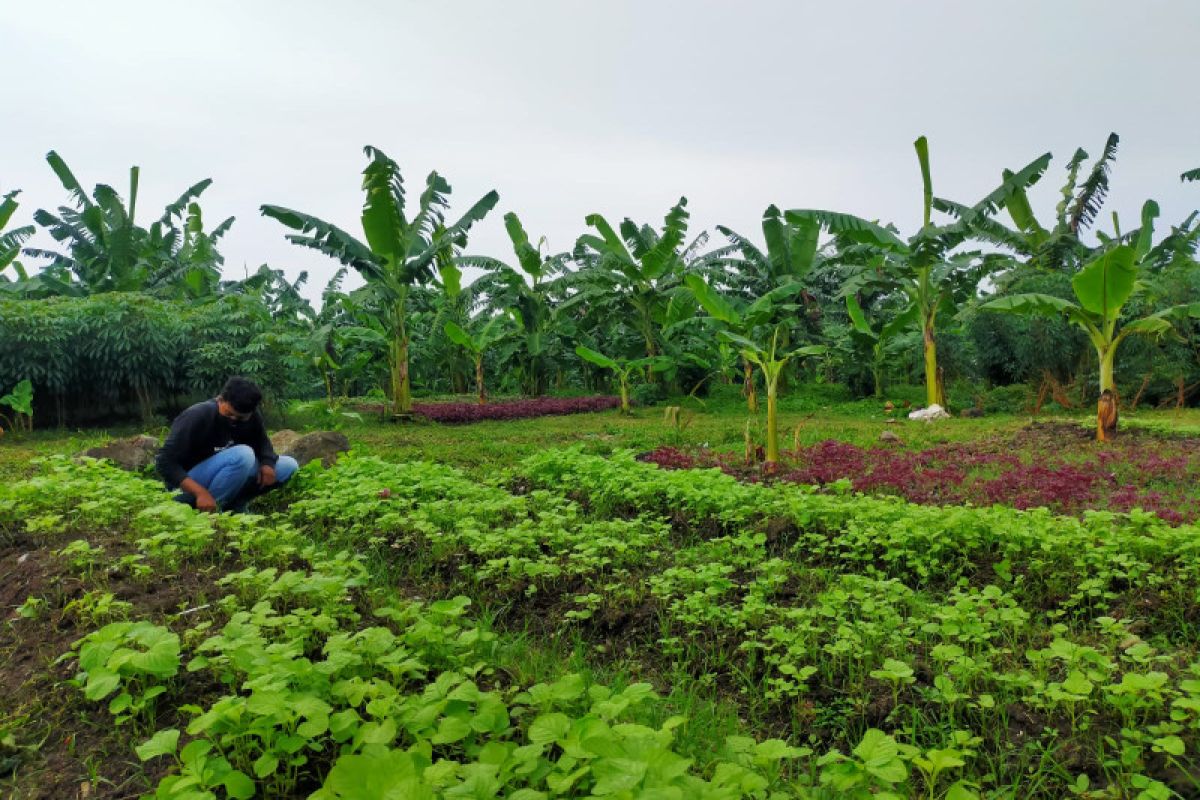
244	395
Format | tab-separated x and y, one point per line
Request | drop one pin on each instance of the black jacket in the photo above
200	432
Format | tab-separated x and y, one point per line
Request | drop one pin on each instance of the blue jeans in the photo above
231	476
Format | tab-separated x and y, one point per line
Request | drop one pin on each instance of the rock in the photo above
133	454
323	445
971	413
929	414
283	440
890	437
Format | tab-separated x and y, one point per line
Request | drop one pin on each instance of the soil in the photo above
64	747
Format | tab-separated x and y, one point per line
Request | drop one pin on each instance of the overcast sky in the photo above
568	108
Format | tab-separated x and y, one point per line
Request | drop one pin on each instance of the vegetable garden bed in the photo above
455	413
1054	465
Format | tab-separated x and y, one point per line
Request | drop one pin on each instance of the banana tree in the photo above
528	298
398	253
924	268
477	344
790	255
1103	288
11	241
771	360
1056	246
108	251
624	369
744	318
638	271
877	335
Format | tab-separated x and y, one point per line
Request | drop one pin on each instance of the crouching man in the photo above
218	453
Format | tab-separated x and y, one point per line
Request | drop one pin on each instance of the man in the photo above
218	452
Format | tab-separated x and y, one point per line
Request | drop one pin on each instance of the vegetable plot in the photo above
872	648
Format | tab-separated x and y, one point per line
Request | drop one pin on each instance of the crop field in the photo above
573	620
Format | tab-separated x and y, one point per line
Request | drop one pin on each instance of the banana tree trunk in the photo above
772	420
932	395
398	360
479	379
1108	407
625	394
877	370
398	356
748	387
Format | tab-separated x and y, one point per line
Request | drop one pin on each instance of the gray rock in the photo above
890	437
283	440
133	454
322	445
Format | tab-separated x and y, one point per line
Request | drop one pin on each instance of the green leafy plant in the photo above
20	400
133	659
477	344
624	370
399	253
1103	288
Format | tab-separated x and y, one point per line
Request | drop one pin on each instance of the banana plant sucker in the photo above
772	365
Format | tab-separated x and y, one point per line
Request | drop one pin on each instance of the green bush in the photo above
124	355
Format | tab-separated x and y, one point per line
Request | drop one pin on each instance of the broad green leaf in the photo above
599	359
549	728
660	258
1172	745
162	743
713	303
743	342
528	257
7	207
808	350
1045	304
238	785
854	228
759	311
922	148
1156	326
101	684
1104	284
610	241
617	775
1145	238
452	729
902	321
881	756
265	765
858	318
460	337
451	277
383	220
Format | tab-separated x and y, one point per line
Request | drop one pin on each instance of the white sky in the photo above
568	108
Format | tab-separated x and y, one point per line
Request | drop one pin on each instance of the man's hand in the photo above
205	502
266	476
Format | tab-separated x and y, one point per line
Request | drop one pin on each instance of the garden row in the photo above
1045	650
950	652
308	676
1052	465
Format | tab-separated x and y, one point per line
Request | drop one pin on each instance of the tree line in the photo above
986	291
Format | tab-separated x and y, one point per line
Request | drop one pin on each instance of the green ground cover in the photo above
522	609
